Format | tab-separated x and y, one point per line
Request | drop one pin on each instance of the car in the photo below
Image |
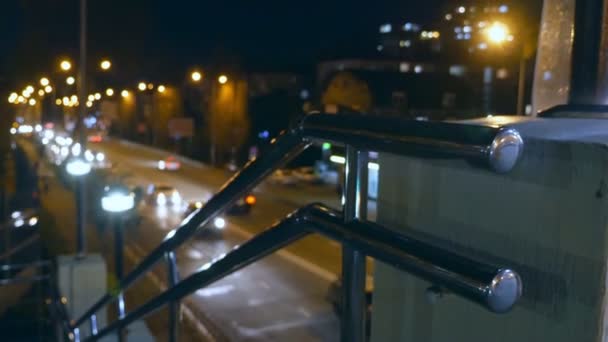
23	218
213	227
283	177
163	195
170	164
96	136
307	174
241	207
97	159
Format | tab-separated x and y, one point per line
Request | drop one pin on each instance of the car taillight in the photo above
250	199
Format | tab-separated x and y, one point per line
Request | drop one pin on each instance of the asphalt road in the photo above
282	297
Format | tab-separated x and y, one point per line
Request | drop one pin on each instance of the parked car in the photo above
307	174
283	177
163	195
170	164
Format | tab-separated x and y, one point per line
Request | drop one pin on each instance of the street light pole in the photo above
80	185
521	84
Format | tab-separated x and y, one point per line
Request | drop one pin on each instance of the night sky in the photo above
160	38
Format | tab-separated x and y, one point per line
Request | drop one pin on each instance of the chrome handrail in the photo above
495	288
499	148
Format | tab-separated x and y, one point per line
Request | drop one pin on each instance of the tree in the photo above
347	90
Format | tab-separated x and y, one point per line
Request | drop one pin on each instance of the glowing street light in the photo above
109	92
497	33
48	89
91	97
141	86
44	81
29	89
105	64
97	96
124	93
32	102
41	92
13	97
78	167
150	86
161	88
222	79
70	80
65	65
196	76
58	102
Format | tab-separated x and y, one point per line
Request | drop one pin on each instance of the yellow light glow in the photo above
44	81
105	64
150	86
66	101
58	102
65	65
89	104
497	33
70	80
124	93
13	97
41	92
74	98
161	88
97	96
222	79
91	97
32	102
21	99
110	92
48	89
26	94
141	86
196	76
29	89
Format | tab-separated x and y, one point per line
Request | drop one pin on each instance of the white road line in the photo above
301	262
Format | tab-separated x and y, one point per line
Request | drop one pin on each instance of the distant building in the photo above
407	40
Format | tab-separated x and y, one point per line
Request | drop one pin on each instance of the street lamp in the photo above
222	79
497	33
44	81
124	93
161	88
65	65
70	80
105	64
196	76
109	92
141	86
78	167
116	201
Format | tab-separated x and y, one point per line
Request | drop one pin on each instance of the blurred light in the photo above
13	97
48	134
250	199
32	102
418	69
461	9
373	166
88	156
150	86
97	96
386	28
141	86
161	199
222	79
70	80
196	76
45	141
482	46
58	102
337	159
19	222
124	93
109	92
78	167
117	202
44	81
448	17
105	64
15	214
264	135
89	104
29	89
219	223
503	8
66	100
74	98
48	89
21	99
38	128
161	88
41	92
69	141
25	129
100	157
33	221
65	65
326	146
76	149
13	130
161	165
26	94
497	33
175	197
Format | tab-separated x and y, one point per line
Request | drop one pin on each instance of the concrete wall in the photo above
547	219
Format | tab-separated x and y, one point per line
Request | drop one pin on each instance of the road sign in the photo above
181	128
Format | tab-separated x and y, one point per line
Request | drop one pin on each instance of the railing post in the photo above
173	279
118	255
93	321
354	202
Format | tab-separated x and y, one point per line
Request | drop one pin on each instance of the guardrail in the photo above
497	148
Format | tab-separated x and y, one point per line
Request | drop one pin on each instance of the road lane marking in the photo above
299	261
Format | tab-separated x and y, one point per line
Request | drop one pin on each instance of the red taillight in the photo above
250	199
95	138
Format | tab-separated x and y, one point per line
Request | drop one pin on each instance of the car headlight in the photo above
100	157
161	164
88	155
175	197
219	222
161	199
33	221
19	223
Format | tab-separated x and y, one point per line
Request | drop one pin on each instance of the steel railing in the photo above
497	148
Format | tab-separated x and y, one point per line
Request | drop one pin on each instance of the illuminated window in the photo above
502	73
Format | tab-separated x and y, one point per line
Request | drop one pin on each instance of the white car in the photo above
283	177
307	174
163	195
170	164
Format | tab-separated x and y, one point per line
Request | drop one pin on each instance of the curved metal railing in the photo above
497	148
